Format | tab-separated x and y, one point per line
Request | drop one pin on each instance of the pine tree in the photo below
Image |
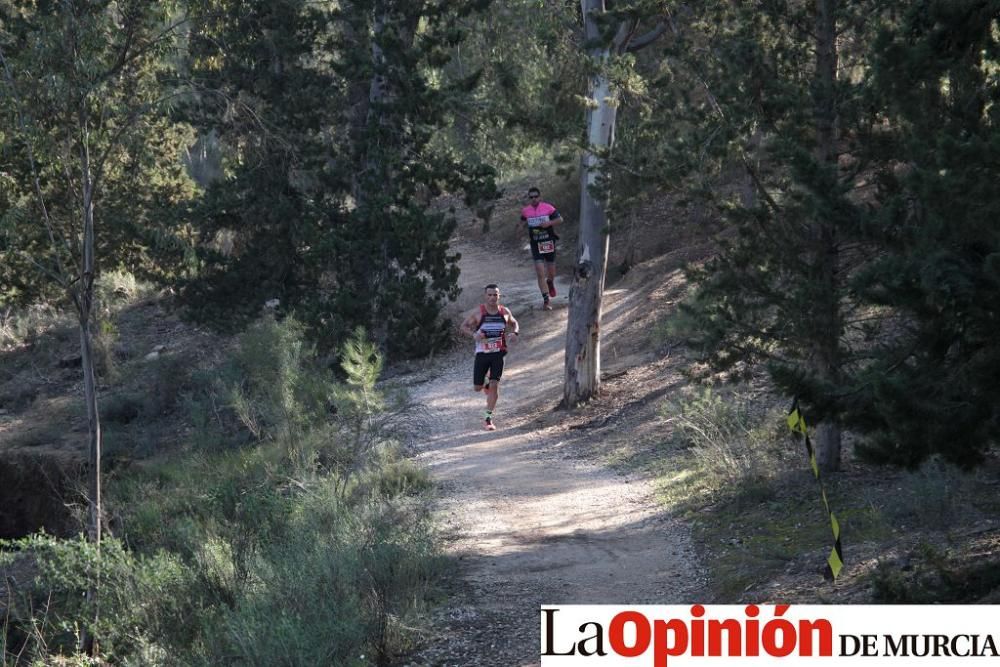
327	114
782	109
263	91
395	263
932	386
520	81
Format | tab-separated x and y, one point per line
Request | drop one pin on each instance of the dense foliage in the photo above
933	374
325	117
83	95
846	151
855	261
282	534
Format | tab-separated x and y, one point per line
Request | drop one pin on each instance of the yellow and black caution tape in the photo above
835	561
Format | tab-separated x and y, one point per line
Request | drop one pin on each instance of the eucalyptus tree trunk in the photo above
827	353
583	332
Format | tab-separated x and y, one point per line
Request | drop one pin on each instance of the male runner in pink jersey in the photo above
541	219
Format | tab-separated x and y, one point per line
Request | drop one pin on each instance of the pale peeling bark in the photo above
583	332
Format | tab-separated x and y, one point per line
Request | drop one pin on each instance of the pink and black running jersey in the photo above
535	215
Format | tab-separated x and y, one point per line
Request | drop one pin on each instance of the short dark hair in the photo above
492	286
533	189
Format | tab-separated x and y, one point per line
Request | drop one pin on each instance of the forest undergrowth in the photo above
260	496
259	506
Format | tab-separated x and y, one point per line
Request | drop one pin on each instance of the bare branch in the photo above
56	277
647	39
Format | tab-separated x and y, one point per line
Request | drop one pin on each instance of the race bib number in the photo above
537	220
546	247
492	345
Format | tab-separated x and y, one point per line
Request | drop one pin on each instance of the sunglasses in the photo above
533	196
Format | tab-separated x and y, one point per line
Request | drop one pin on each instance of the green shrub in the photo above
300	607
678	326
269	388
298	574
117	288
120	407
103	344
139	599
928	497
930	577
735	446
160	518
170	379
367	418
35	323
306	542
399	476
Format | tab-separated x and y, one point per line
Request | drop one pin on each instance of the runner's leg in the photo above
491	397
496	372
493	391
479	370
540	274
550	270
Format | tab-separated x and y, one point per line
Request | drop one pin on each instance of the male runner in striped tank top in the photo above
489	325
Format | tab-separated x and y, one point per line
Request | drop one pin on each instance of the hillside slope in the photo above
561	507
555	507
530	523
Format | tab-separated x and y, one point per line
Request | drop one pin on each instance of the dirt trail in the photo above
529	522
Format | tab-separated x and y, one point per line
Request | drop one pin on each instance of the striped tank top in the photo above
494	325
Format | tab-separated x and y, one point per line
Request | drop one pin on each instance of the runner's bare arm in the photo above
468	326
515	328
553	221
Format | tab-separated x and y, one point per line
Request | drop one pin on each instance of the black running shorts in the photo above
487	361
539	257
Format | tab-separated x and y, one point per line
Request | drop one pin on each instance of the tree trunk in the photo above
748	192
583	332
827	357
377	94
89	374
84	303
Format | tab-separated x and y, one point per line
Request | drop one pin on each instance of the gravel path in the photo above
528	522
